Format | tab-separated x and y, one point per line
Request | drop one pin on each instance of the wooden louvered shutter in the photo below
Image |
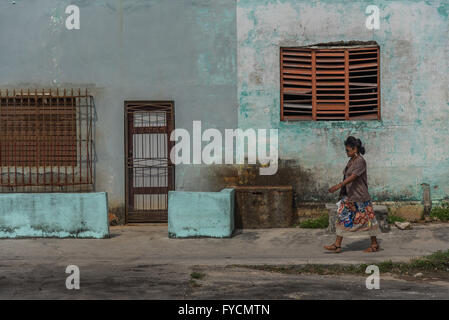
330	84
364	91
296	84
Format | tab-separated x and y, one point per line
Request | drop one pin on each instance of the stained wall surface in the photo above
408	146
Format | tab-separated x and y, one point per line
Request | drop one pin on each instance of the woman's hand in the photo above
335	188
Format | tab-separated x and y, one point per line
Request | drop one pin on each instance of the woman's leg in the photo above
336	246
374	245
338	241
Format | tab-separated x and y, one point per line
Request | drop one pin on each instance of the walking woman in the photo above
355	214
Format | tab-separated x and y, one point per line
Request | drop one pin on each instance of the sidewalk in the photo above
141	262
150	244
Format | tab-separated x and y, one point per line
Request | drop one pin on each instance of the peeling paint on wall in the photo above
409	145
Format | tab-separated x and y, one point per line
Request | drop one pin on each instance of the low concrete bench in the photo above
380	211
201	214
56	215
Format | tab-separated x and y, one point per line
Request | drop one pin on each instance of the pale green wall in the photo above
409	146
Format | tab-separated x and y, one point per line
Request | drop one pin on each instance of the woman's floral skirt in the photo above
355	216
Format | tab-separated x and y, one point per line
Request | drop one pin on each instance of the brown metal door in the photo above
149	171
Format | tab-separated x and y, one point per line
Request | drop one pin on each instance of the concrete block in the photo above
264	207
60	215
380	211
411	213
201	214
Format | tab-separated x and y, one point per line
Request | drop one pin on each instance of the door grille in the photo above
149	171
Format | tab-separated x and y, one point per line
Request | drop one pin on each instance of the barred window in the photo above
329	83
46	140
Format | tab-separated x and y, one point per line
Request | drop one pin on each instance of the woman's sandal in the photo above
333	247
372	248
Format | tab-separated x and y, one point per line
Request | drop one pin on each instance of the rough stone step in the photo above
380	211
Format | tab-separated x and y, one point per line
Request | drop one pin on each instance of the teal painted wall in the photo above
201	214
60	215
409	146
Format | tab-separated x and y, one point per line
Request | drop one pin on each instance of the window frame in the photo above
304	77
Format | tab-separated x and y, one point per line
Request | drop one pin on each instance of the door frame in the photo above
170	144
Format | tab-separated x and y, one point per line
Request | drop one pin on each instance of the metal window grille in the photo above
330	83
46	141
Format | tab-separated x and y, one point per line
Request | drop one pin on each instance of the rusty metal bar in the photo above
8	135
87	140
80	139
1	143
14	138
39	134
91	138
73	129
54	144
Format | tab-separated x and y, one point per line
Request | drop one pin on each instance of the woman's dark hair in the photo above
355	143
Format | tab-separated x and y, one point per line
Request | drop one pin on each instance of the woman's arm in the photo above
349	179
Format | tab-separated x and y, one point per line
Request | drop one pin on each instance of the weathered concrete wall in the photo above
409	146
78	215
201	214
189	52
128	50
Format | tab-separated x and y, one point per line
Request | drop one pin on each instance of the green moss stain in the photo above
443	9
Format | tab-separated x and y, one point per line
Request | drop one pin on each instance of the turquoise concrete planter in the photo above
201	214
59	215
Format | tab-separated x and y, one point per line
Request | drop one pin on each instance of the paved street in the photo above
141	262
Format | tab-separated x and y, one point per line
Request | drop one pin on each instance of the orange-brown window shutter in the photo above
296	84
364	102
330	83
